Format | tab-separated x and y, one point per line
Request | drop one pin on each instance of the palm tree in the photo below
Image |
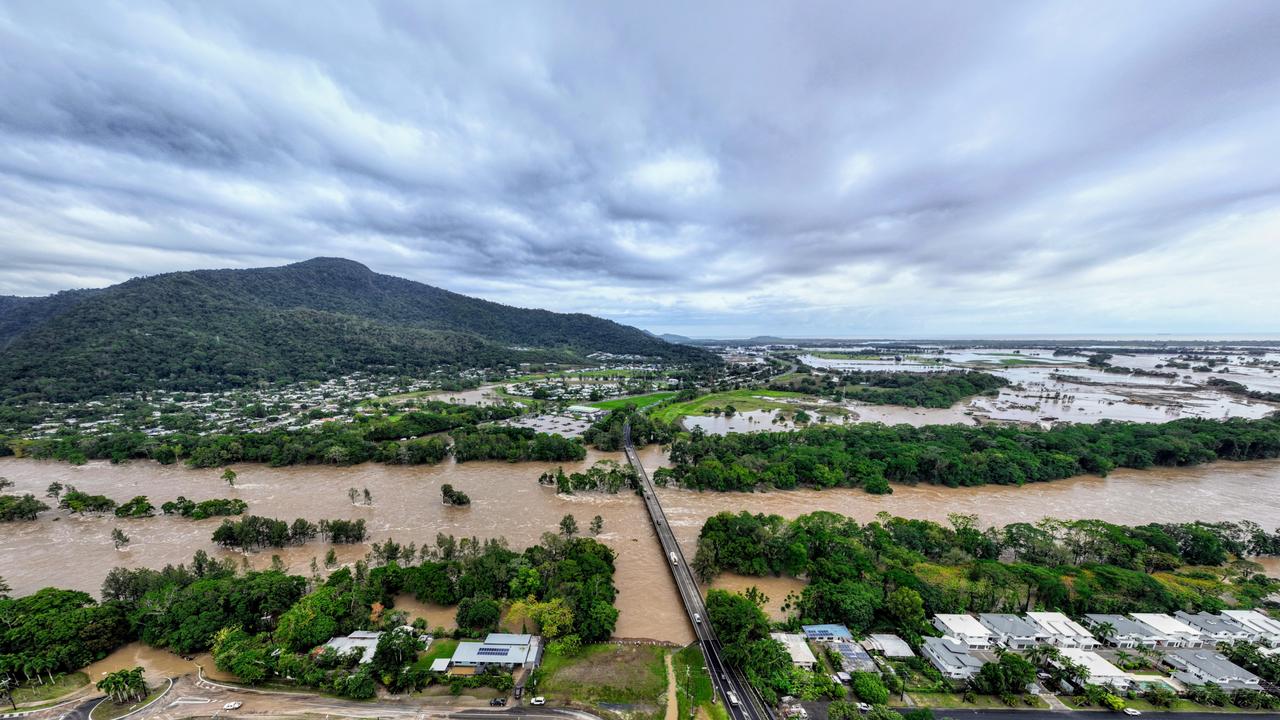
124	685
1106	631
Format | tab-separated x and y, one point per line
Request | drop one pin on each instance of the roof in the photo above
439	664
363	640
508	639
838	631
952	653
497	648
1211	623
1055	623
891	645
1005	624
1254	621
1098	666
1164	623
963	624
584	409
796	647
1124	626
1211	664
853	656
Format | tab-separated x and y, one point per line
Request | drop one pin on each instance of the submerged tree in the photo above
118	538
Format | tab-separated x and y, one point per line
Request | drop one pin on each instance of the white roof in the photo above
1098	666
962	624
1255	621
439	664
1166	624
1056	623
796	647
891	645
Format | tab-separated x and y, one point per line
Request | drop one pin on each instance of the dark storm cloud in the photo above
824	168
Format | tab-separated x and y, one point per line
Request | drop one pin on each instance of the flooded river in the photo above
76	552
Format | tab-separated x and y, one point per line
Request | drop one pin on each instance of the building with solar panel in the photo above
502	650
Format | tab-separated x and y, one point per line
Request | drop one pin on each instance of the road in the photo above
725	678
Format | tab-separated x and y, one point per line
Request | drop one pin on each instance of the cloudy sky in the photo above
838	169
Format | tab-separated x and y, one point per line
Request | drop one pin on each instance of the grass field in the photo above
741	400
440	648
640	401
694	683
606	674
957	701
62	685
1179	705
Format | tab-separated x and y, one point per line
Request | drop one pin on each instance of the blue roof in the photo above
839	631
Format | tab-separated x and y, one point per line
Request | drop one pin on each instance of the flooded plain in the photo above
76	552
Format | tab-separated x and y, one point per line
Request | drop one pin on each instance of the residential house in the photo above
889	646
951	657
1199	666
1062	631
1215	628
1012	631
1124	632
503	650
1176	632
365	641
797	648
1265	629
853	658
1101	671
827	633
964	628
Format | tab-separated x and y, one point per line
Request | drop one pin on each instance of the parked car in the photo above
1131	712
539	700
233	705
864	707
498	702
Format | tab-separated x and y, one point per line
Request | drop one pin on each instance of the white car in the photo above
233	705
864	707
1131	712
538	701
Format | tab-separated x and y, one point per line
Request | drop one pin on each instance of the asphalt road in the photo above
726	679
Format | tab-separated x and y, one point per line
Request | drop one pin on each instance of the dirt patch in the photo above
673	702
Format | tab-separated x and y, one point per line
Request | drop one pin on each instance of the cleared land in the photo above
640	401
741	400
607	674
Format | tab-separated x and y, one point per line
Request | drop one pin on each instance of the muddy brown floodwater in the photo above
76	552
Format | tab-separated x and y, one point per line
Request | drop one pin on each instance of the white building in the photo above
1216	628
1101	671
1177	633
797	648
365	641
1264	629
964	628
1012	631
1201	666
1061	631
1124	632
889	646
951	657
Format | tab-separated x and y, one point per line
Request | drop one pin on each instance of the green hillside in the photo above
212	329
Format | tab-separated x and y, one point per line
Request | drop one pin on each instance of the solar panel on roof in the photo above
492	651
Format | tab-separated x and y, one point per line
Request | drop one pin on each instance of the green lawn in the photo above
440	648
956	700
640	401
1179	705
694	682
62	685
108	710
741	400
606	674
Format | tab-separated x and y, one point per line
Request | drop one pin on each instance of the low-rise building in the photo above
586	412
1215	628
1012	631
964	628
853	658
1264	629
366	641
1061	631
797	648
1101	671
1177	633
1199	666
827	633
1123	632
504	650
889	646
951	657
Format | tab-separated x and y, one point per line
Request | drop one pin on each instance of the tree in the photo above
54	490
124	685
478	614
5	483
229	476
597	525
1010	675
118	538
352	494
330	558
906	607
869	688
4	589
568	526
368	497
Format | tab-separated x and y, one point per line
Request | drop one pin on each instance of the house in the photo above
797	648
1176	632
1200	666
1012	631
365	641
951	657
889	646
1101	671
1061	631
1265	629
964	628
1124	633
1215	628
503	650
586	412
853	658
827	633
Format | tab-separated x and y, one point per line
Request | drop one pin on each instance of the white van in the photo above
674	560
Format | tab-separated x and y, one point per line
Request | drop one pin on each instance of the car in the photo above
539	700
864	707
1131	712
498	702
233	705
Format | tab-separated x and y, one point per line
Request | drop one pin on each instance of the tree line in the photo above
252	532
940	389
871	455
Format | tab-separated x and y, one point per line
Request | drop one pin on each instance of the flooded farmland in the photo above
76	552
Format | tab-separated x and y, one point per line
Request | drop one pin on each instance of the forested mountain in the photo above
210	329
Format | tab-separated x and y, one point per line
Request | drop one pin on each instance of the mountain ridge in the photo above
213	329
